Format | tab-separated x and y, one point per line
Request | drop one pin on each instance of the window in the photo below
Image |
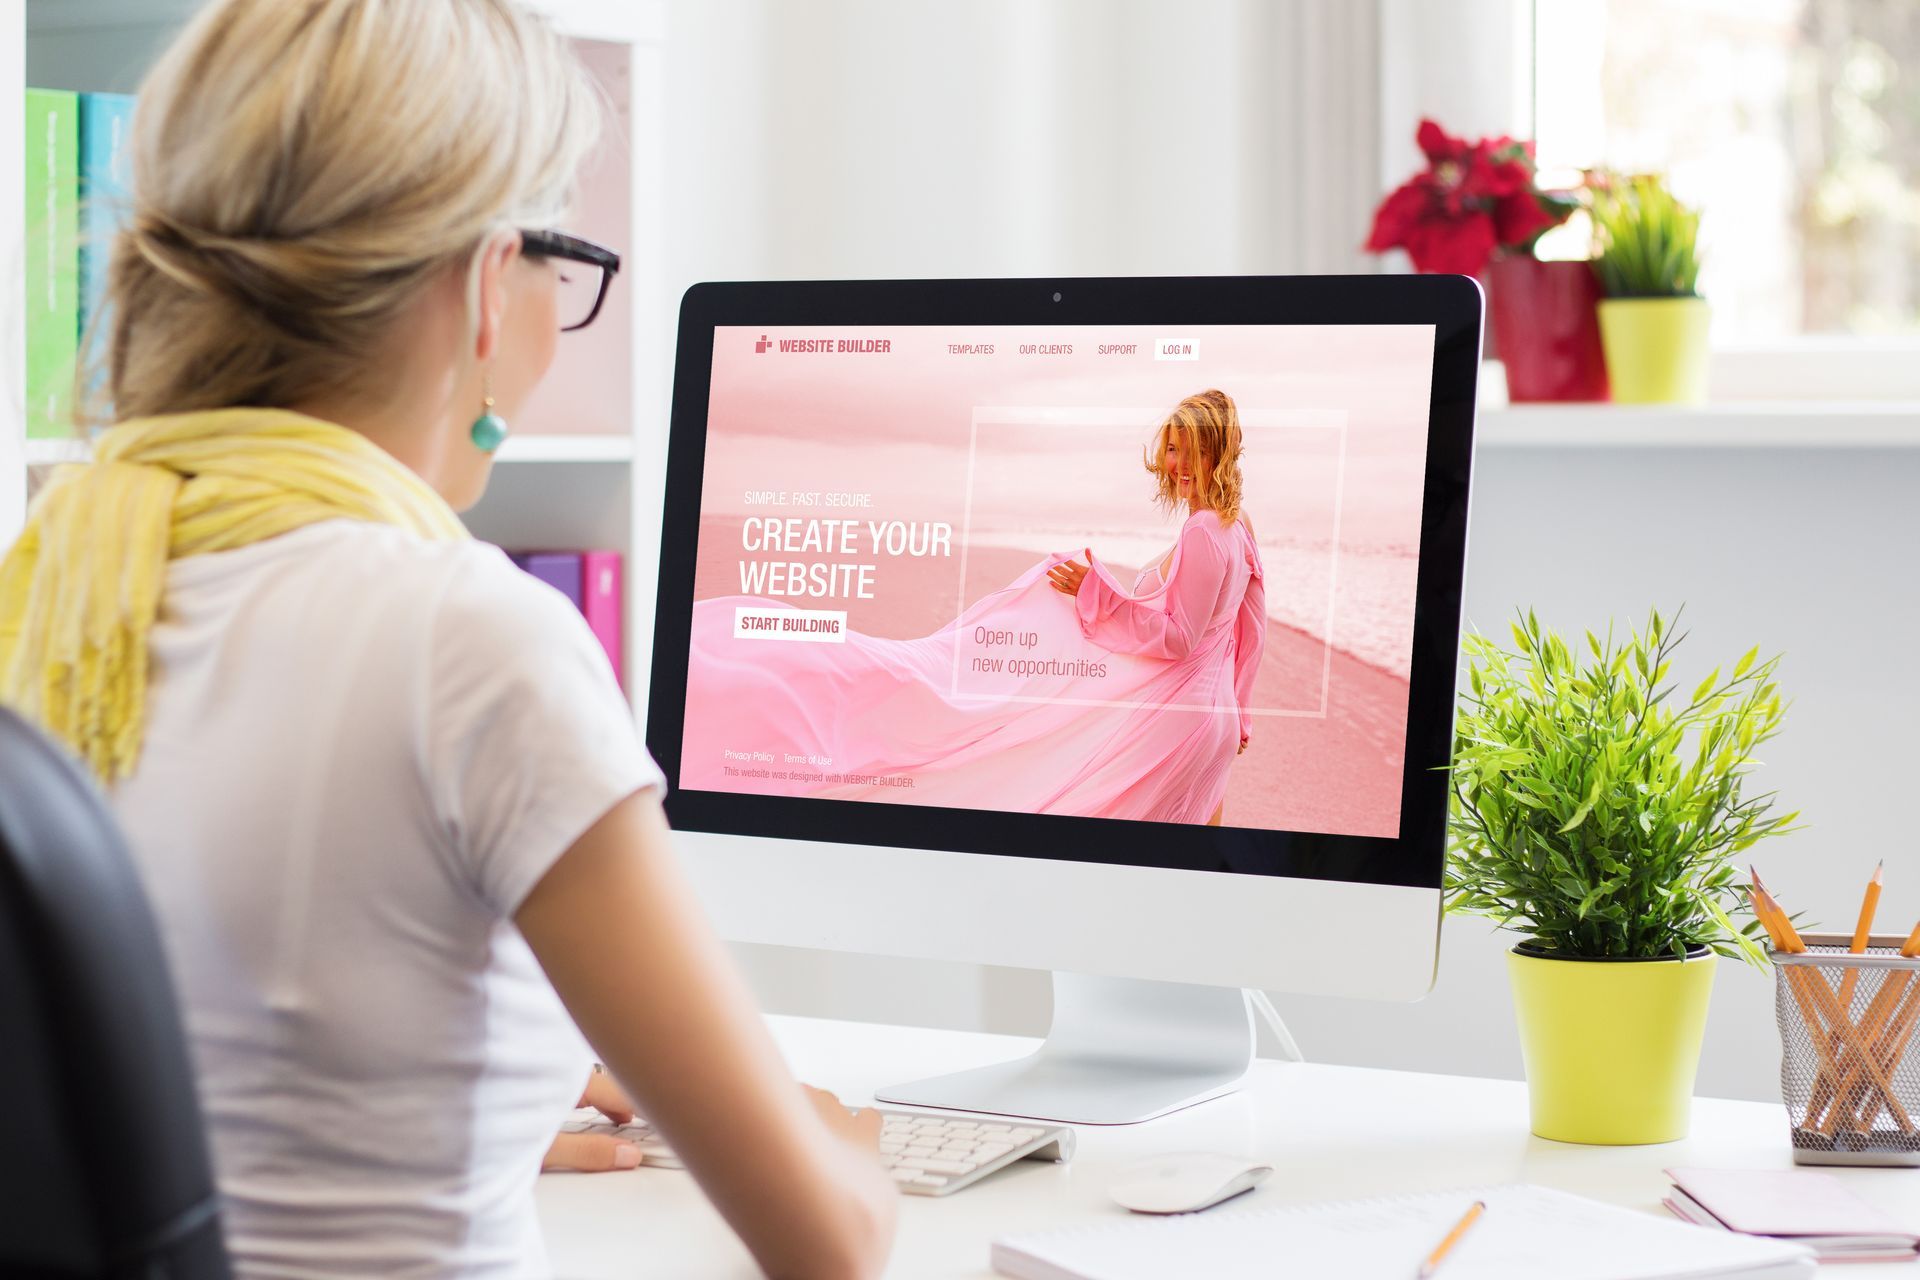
1793	124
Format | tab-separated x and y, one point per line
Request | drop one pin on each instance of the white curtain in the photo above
1022	137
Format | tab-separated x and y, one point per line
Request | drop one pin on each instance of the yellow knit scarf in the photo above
80	588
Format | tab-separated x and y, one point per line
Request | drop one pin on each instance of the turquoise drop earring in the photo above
489	429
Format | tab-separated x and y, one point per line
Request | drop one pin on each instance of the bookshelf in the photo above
584	466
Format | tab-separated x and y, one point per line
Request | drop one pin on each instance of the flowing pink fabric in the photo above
1130	706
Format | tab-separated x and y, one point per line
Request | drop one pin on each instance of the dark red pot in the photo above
1546	328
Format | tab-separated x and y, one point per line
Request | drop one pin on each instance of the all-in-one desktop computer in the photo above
1216	765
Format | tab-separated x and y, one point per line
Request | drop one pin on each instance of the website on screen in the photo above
1152	573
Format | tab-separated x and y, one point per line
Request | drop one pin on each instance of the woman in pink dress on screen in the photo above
1202	605
1119	703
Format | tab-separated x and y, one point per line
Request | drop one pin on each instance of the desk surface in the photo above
1331	1133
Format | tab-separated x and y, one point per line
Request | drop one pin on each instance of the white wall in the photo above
847	138
867	138
1011	137
1466	63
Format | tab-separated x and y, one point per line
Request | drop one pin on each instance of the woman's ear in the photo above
498	252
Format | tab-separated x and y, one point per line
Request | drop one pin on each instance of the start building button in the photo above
821	626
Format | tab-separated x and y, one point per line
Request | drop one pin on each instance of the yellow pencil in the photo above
1862	931
1784	933
1883	1025
1441	1250
1879	1028
1898	1033
1781	931
1763	914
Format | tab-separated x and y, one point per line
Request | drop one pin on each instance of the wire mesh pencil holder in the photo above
1850	1051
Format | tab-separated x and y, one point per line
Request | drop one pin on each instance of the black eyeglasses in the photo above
587	269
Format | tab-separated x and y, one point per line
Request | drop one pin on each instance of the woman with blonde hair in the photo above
389	805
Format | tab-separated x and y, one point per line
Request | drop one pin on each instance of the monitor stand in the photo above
1120	1050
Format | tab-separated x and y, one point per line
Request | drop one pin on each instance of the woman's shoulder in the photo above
397	554
489	630
448	585
1223	540
482	588
1207	521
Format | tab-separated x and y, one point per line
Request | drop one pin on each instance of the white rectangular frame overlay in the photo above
1058	415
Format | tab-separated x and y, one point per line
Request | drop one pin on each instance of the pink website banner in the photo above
880	509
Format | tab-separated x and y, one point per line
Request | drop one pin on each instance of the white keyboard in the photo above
927	1154
654	1152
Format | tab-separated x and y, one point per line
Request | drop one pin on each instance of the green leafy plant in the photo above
1648	242
1597	813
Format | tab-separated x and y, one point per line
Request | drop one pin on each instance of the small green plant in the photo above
1594	811
1648	242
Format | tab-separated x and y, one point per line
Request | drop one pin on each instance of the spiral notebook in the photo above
1526	1232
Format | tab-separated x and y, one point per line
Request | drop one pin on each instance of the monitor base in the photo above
1120	1050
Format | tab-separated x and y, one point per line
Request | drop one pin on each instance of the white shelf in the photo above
42	453
527	448
1730	425
537	448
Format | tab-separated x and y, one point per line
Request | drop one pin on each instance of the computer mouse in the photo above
1184	1182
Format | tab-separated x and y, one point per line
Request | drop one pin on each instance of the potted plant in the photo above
1478	210
1599	814
1653	322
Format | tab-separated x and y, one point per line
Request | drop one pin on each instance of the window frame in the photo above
1471	64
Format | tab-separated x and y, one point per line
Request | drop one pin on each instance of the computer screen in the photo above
876	611
1216	757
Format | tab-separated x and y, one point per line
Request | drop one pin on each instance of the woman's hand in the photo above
670	1014
1245	739
596	1152
1067	577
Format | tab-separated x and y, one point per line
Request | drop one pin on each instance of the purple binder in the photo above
559	570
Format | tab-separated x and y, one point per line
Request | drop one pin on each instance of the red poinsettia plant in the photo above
1473	199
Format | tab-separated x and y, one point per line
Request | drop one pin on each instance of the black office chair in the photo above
103	1160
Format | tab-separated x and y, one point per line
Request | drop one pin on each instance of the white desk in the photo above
1331	1133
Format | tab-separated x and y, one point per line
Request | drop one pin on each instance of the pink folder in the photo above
600	601
1802	1205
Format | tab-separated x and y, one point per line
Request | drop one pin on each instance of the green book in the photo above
52	227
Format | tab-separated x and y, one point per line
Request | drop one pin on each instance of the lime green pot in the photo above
1656	349
1611	1046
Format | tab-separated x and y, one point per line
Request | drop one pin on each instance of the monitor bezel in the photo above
1415	858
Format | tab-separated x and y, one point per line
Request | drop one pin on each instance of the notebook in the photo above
1813	1208
1526	1233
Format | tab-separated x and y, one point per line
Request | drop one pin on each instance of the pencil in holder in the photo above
1849	1052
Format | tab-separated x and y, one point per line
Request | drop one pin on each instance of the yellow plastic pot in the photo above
1611	1046
1656	349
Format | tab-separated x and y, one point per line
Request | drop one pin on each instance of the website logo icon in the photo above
760	347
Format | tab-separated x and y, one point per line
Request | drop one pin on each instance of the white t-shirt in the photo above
362	751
